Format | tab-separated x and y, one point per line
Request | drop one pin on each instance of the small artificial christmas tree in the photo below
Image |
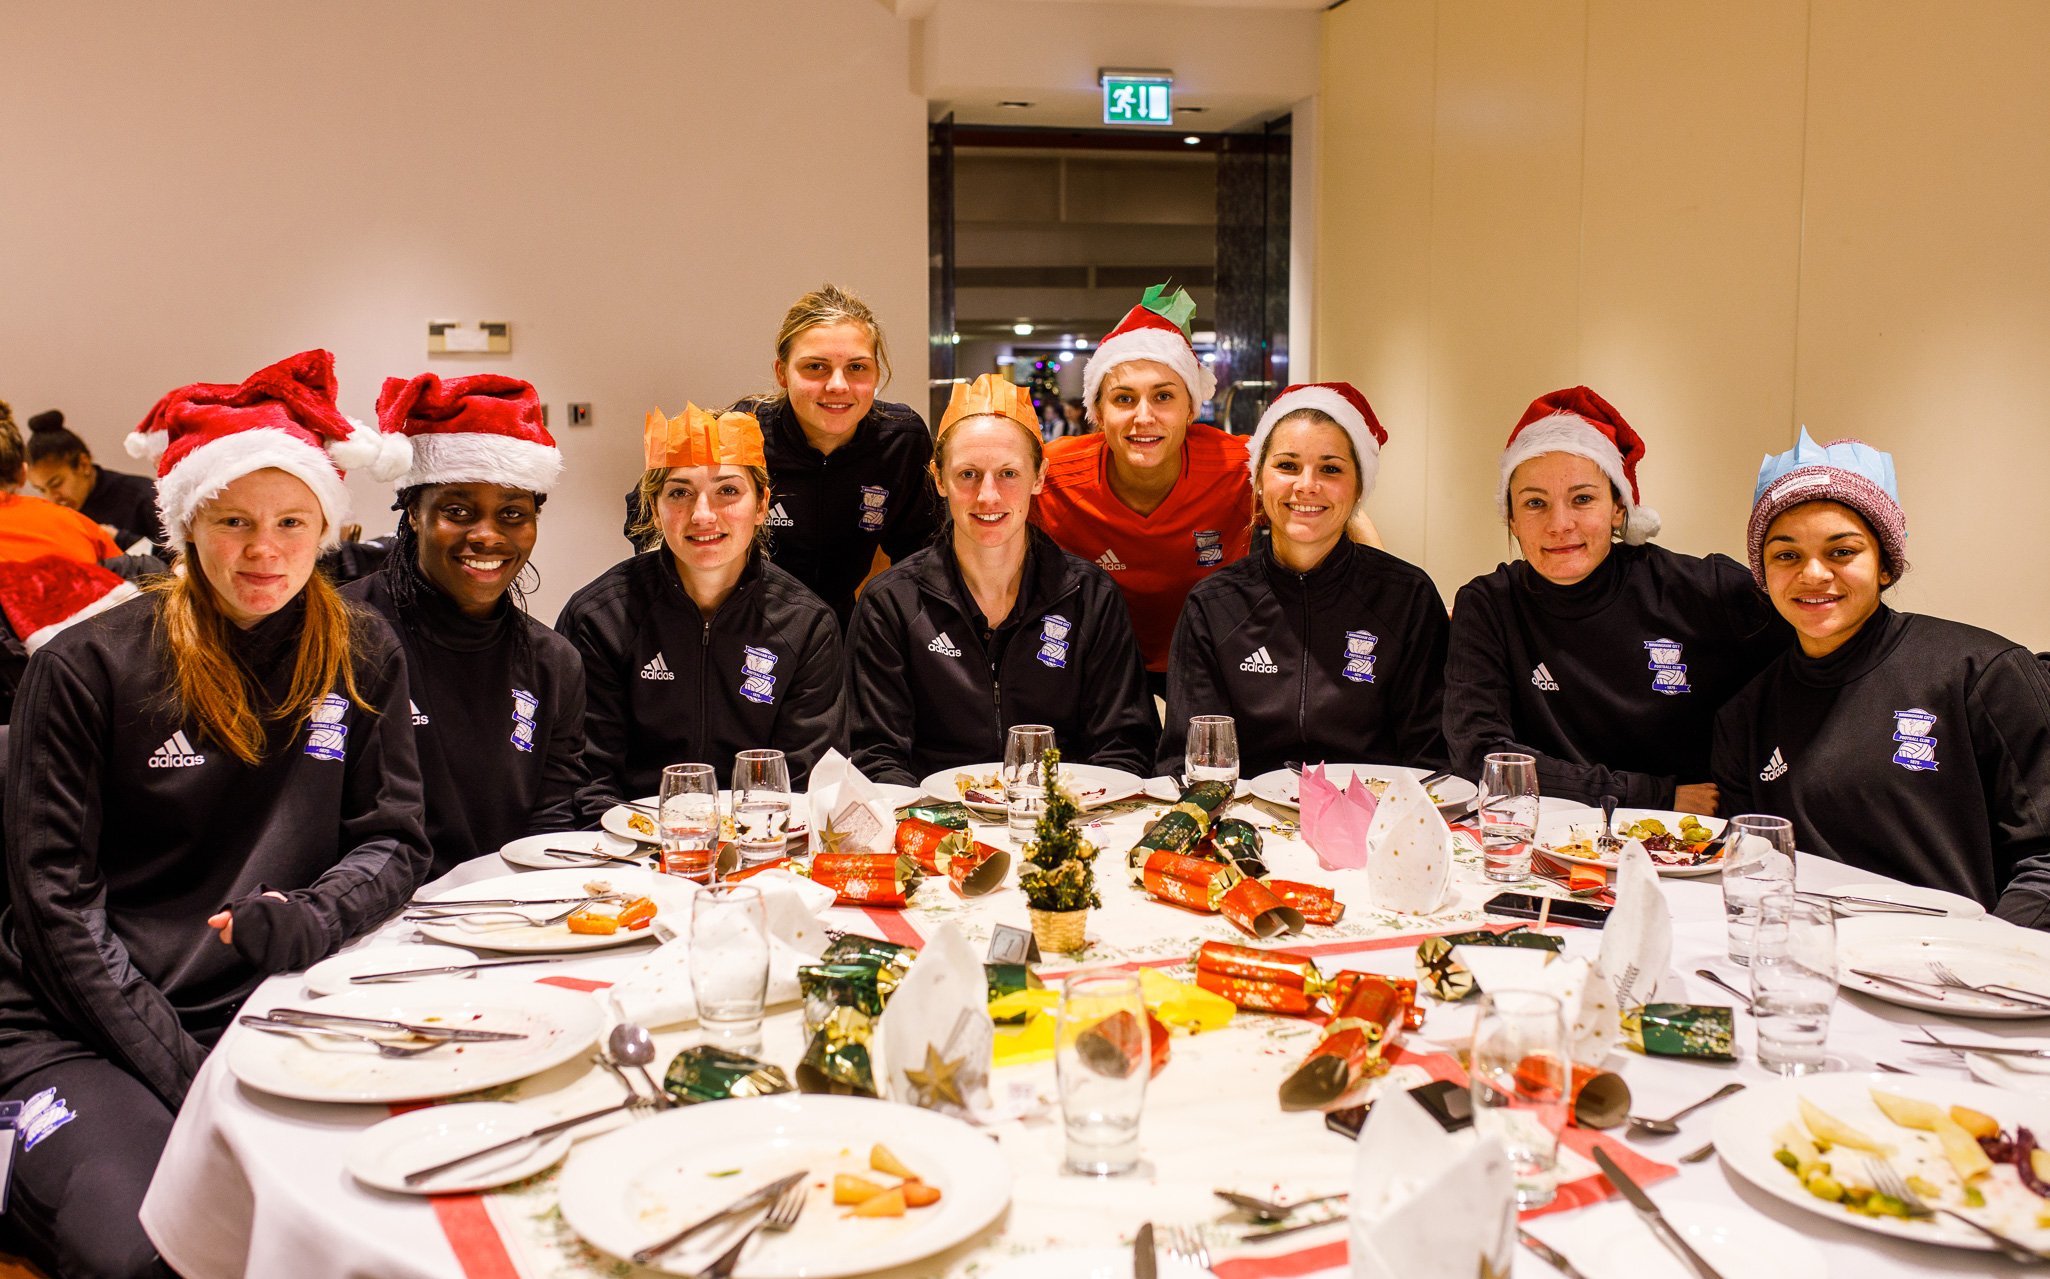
1059	881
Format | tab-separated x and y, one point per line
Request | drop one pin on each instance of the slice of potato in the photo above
1836	1132
882	1160
1975	1122
890	1203
1908	1112
919	1195
850	1189
1962	1149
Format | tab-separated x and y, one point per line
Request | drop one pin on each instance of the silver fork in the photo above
1185	1244
1992	990
781	1217
511	916
1889	1182
385	1048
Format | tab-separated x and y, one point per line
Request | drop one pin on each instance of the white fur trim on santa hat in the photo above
1338	409
148	445
1158	345
206	470
1571	433
385	456
120	592
451	457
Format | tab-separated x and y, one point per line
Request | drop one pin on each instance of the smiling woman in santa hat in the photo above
1898	743
995	625
1321	648
1603	656
208	784
497	697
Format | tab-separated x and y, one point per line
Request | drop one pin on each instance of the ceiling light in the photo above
1022	330
1192	139
1015	106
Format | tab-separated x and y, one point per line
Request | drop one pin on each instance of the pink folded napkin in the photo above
1335	822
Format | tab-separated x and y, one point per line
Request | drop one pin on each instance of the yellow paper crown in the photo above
698	438
991	395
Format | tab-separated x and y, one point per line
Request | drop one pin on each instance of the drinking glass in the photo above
729	964
1213	751
1102	1058
1793	982
1508	815
1759	860
688	820
1521	1086
1025	778
761	805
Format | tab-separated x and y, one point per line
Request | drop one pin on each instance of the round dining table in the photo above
255	1185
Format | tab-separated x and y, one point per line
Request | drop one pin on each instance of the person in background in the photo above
994	625
32	527
1601	655
1155	499
848	470
1894	742
208	784
1075	416
497	698
62	469
1322	648
700	647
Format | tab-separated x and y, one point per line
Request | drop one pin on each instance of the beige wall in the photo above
188	192
1730	219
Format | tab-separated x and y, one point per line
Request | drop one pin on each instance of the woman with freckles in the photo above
1894	742
994	625
1320	647
1601	655
497	698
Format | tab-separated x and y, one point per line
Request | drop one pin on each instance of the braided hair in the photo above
407	582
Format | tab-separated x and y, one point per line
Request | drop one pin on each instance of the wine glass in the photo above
1213	751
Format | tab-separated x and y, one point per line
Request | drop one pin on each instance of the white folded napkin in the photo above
936	1035
658	991
1637	941
1423	1209
848	813
1410	864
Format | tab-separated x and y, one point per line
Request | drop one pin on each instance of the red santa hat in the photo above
1578	421
44	595
1343	404
208	435
481	429
1157	329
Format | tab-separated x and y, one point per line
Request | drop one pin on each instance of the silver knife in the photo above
1548	1254
309	1017
1649	1211
406	974
746	1203
1144	1265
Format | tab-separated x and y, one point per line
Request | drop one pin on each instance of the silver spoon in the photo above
1264	1210
1740	996
1667	1127
636	1047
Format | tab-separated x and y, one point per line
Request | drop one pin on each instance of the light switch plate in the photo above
579	415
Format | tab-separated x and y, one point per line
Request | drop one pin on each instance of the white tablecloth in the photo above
254	1185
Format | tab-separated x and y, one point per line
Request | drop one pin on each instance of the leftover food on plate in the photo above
608	917
1667	848
641	824
873	1199
1966	1162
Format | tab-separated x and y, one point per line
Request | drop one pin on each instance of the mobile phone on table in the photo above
1565	910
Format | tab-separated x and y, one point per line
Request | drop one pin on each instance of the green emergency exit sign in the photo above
1138	97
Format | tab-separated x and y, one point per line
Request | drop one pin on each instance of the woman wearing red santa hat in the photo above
1320	647
498	698
208	784
1603	656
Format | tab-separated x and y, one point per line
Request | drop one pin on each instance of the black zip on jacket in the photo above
1612	683
1920	749
936	686
498	724
126	829
664	684
830	512
1342	664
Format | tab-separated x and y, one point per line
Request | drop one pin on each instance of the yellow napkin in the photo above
1033	1041
1181	1006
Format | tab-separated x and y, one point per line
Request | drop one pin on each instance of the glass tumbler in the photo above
1213	751
729	964
1025	778
1793	982
1508	815
1522	1086
1759	860
688	821
1102	1058
761	805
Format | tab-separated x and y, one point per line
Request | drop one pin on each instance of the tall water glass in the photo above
1102	1057
1793	982
1759	860
1522	1086
761	805
729	964
1025	777
1508	815
688	820
1213	751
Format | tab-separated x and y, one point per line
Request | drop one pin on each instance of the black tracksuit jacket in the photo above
663	684
1585	678
937	687
830	512
499	725
1343	664
126	828
129	503
1920	749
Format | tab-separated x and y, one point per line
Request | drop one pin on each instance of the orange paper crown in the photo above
991	395
697	438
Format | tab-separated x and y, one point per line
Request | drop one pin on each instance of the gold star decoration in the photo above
936	1082
830	838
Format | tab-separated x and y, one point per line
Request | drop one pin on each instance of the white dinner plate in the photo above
2023	1074
331	975
1957	906
1977	950
1565	828
531	851
1167	790
1108	1262
1610	1241
1745	1139
630	1188
671	894
1094	786
558	1024
1284	787
620	820
383	1154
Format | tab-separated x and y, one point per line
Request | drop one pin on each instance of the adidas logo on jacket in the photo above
176	752
657	669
